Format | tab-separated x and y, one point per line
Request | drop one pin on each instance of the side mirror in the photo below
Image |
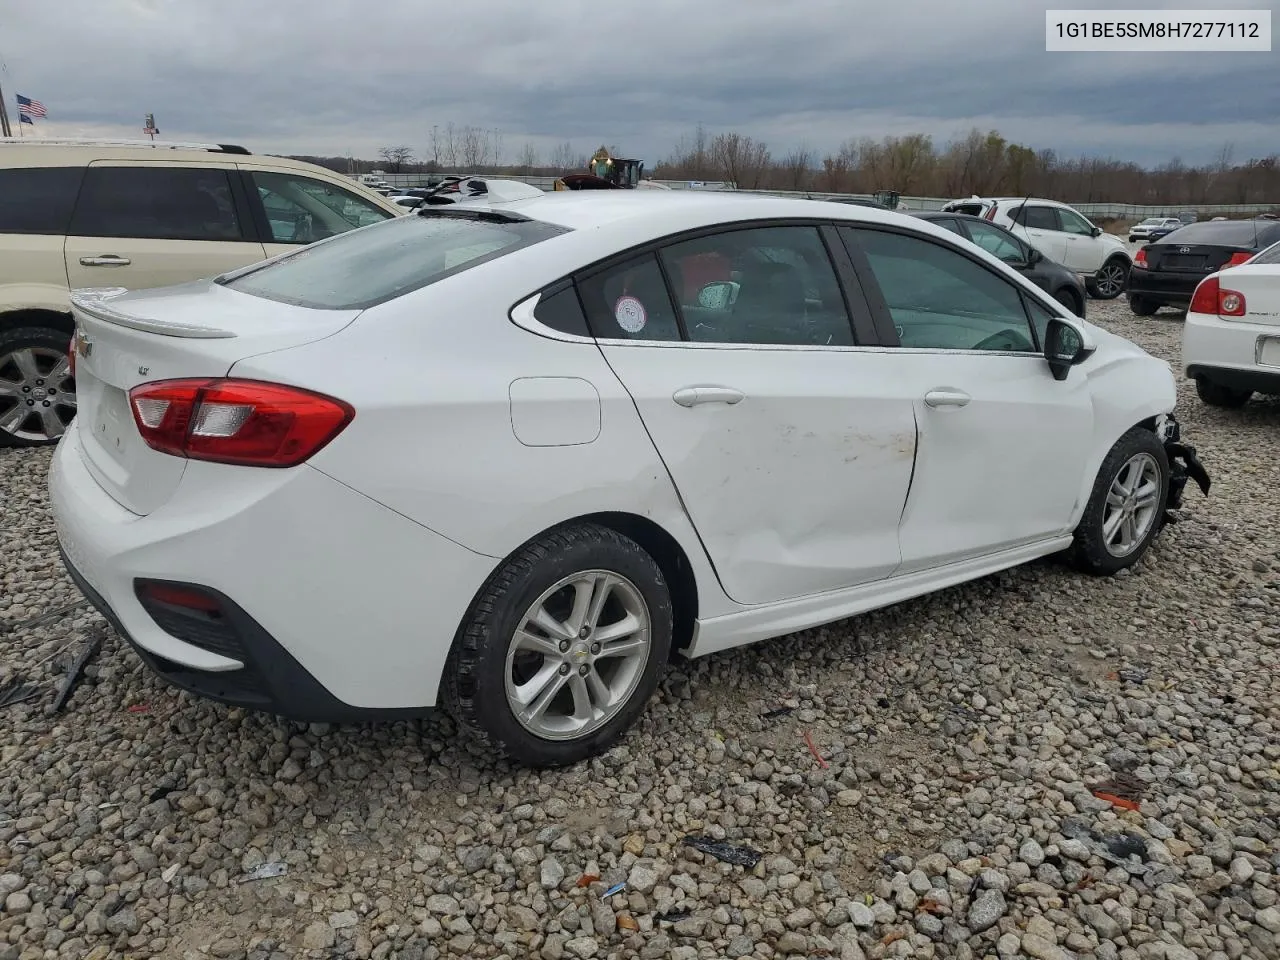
1063	347
1095	232
718	295
1034	256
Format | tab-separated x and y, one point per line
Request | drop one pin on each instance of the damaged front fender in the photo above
1184	465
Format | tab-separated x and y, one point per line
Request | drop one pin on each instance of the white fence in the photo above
1099	211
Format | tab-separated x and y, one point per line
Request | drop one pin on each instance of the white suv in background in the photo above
1062	234
135	214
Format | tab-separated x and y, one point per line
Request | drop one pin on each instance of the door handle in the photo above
109	260
692	396
946	397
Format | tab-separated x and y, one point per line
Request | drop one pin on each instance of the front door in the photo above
1001	441
144	224
297	209
790	447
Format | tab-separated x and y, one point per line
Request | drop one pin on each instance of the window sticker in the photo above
630	314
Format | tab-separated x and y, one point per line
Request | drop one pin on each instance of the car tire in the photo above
1216	395
499	649
1142	307
27	355
1110	280
1137	460
1069	299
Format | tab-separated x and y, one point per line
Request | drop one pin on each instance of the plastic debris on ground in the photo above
75	670
17	690
738	856
587	879
616	888
813	749
265	872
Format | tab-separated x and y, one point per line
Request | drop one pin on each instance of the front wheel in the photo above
1068	298
1126	508
1109	282
563	647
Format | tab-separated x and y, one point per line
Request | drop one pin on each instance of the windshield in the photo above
365	267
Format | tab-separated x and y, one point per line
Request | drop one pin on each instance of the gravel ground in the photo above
952	812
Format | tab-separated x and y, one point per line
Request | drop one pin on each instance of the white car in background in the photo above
509	458
1231	337
1063	235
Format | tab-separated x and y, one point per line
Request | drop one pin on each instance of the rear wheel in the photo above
1141	306
1216	395
1109	282
37	391
1126	508
563	647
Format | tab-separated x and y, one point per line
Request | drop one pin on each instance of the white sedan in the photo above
510	458
1231	339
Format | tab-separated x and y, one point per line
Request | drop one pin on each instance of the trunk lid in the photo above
197	329
1197	259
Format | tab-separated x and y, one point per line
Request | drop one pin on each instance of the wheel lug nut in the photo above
31	403
583	670
564	646
584	631
46	403
595	648
39	383
564	668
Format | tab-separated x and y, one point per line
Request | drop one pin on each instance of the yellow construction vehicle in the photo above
605	172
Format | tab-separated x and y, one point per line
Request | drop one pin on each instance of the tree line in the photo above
982	163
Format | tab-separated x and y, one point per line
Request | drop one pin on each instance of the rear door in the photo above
141	224
790	444
293	209
1039	225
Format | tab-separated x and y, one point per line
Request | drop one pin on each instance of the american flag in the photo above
32	108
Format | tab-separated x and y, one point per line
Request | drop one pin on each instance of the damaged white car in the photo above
508	458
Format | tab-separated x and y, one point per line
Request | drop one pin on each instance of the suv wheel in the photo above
37	391
1142	307
1109	282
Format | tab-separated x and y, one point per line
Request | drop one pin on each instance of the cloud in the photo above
345	76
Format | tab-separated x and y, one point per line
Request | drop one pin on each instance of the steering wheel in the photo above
1007	339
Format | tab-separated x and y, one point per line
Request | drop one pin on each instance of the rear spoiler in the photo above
92	301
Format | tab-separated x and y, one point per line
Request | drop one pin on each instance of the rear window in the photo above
374	264
1230	233
1269	255
38	200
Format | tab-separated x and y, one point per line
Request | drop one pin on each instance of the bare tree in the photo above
528	159
396	158
797	167
563	157
740	160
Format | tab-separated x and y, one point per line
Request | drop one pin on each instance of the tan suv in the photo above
136	214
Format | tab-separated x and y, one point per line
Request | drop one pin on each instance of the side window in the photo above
156	203
996	242
1039	218
1072	222
303	210
949	223
38	200
630	301
560	310
1040	318
766	285
941	300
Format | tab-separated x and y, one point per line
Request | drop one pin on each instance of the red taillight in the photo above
1237	259
1140	259
71	356
1210	298
176	596
991	213
245	422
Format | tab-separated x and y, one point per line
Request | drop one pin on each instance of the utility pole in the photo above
5	129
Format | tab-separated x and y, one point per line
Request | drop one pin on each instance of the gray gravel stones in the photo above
964	735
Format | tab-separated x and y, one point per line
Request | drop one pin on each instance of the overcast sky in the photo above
348	76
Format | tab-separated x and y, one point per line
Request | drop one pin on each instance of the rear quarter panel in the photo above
33	274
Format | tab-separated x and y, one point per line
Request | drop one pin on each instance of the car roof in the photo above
41	152
680	209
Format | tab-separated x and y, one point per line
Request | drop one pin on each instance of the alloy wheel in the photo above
1132	505
37	394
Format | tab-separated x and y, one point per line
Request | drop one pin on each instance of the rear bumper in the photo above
335	608
1165	287
1231	353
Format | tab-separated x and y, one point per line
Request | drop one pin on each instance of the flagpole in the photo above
4	117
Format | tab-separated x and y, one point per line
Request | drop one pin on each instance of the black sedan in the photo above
1058	281
1167	272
